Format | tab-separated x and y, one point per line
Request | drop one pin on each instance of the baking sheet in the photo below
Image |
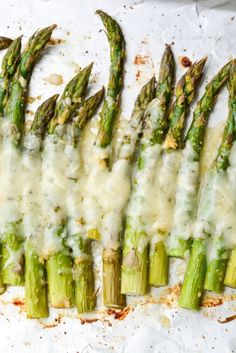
195	29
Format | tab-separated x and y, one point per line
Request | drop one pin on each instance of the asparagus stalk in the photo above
185	92
193	285
134	273
12	237
9	65
230	275
158	259
35	273
219	255
135	262
71	98
112	253
59	262
102	150
117	56
18	90
188	178
85	298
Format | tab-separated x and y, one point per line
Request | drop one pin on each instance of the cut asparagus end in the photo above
135	273
12	273
180	249
60	280
193	285
85	298
158	266
35	284
215	274
112	296
230	276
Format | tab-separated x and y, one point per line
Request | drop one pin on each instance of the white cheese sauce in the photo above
217	206
10	186
141	207
54	189
106	192
10	179
186	194
32	201
164	191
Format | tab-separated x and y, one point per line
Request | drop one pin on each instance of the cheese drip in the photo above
217	207
32	201
186	194
74	191
10	196
106	192
163	195
10	180
54	188
142	205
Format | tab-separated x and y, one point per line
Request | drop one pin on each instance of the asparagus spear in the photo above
85	299
9	65
155	134
115	84
139	224
211	198
188	178
18	89
134	267
112	225
71	98
59	262
12	237
5	42
88	108
167	175
35	279
219	253
100	201
102	152
230	276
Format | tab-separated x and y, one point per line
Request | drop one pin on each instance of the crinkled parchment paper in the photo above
195	29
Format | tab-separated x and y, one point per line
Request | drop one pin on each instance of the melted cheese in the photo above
106	192
186	194
10	179
164	191
217	207
10	186
54	188
142	204
31	191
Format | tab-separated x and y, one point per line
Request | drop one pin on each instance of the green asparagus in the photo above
134	267
112	253
35	276
138	228
59	264
188	178
85	298
115	84
12	237
210	200
18	89
9	65
230	276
